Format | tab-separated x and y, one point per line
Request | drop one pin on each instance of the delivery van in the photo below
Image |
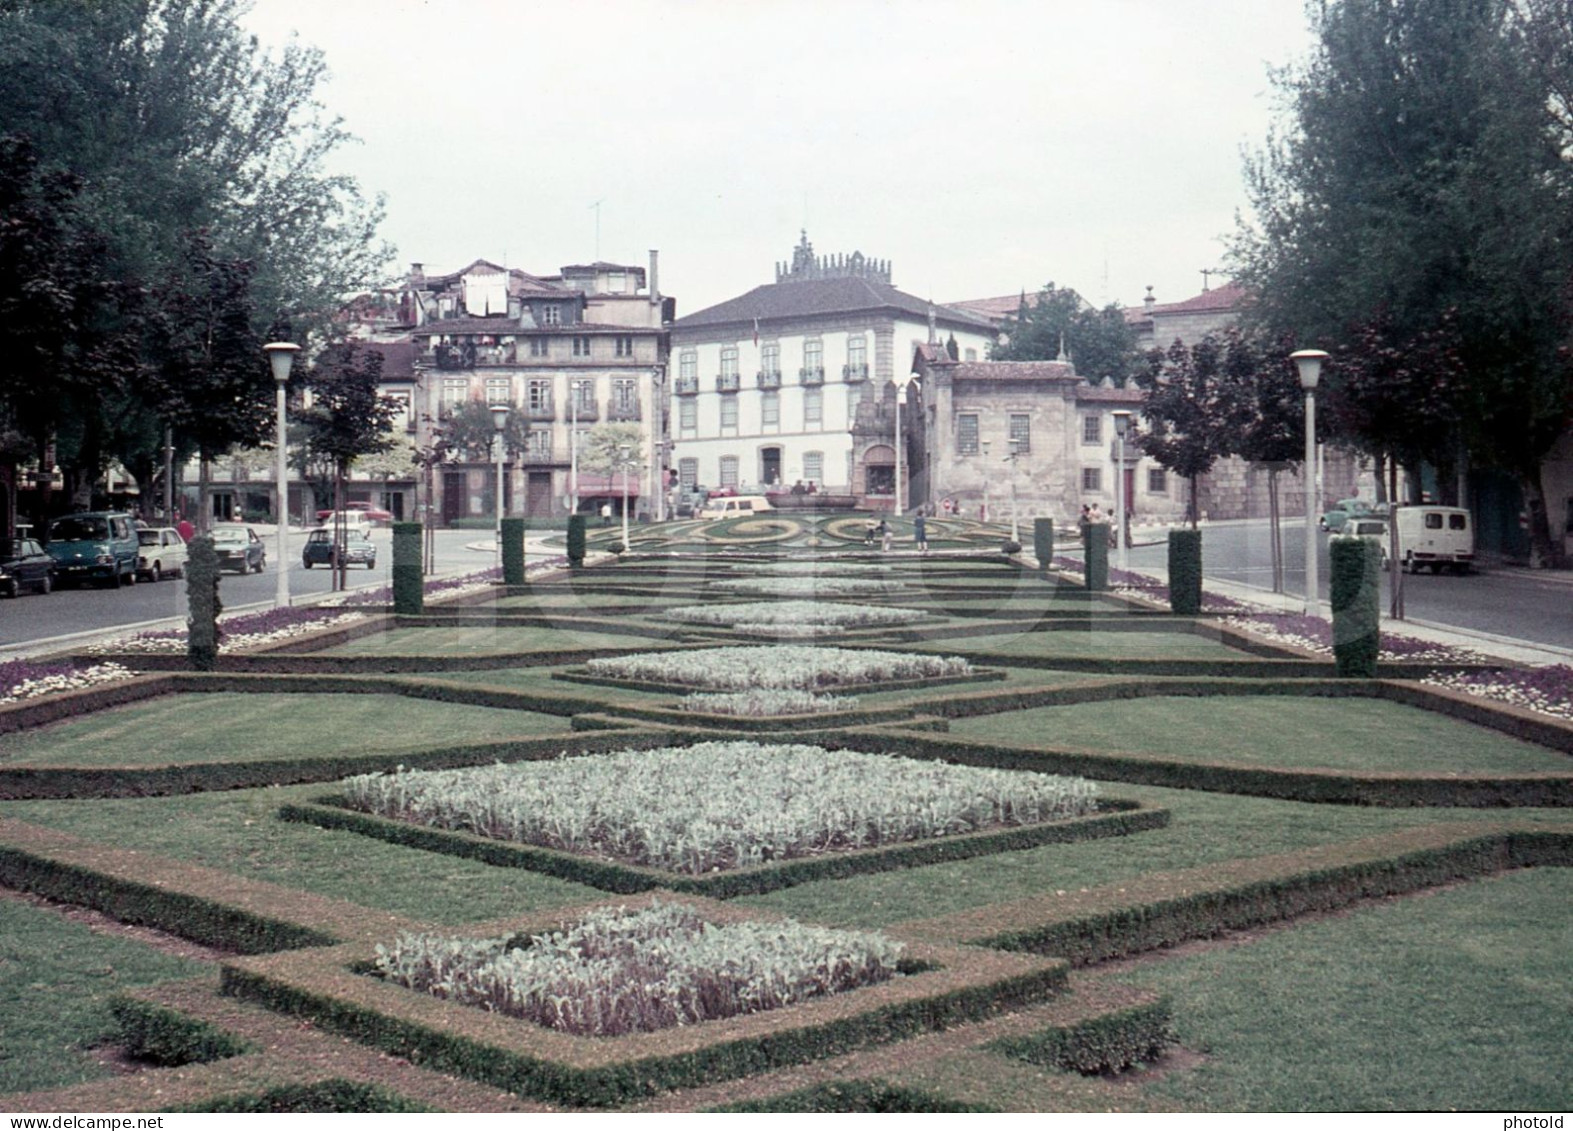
1437	538
734	506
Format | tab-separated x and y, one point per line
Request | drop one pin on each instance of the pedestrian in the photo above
185	529
983	512
868	532
606	514
885	536
920	533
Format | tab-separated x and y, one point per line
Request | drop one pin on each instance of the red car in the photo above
374	514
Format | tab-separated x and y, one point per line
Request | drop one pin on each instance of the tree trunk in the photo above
340	532
1274	533
1543	551
204	503
1193	507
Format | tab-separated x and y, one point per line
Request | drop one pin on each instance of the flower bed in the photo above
773	616
1315	634
813	568
619	971
760	704
808	586
720	805
803	667
1547	690
28	679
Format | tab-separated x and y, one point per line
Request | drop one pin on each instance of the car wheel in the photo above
261	564
46	584
305	563
156	573
10	589
131	576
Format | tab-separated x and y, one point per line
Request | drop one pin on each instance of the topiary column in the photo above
575	541
1043	542
202	604
1355	592
1095	555
1185	572
409	585
513	551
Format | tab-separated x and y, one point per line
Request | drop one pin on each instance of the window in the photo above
967	434
770	359
1157	481
551	315
582	397
814	467
687	416
625	395
1021	432
813	358
729	361
688	365
1457	522
770	410
1092	479
1092	429
625	345
688	473
455	391
729	471
857	355
538	444
539	396
581	346
969	355
403	410
813	407
540	347
729	412
499	390
1433	522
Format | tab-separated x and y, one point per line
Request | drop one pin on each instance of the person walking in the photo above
920	533
885	536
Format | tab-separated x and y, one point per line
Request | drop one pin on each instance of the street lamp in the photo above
625	462
1122	425
1310	365
573	447
984	447
901	403
499	422
281	355
1015	451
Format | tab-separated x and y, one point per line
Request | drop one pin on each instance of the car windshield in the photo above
147	537
78	529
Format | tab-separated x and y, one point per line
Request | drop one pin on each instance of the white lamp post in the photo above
281	356
1310	365
1122	425
1015	452
499	422
573	447
983	445
625	463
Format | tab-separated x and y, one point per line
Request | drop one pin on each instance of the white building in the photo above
766	386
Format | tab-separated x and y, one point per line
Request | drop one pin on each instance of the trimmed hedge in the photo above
1354	593
576	541
325	1096
513	551
1122	819
861	1096
1043	542
166	1037
202	575
1094	1046
409	582
1095	556
1185	572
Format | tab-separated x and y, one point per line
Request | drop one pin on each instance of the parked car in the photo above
25	565
373	513
1342	512
351	520
239	549
690	502
734	506
1371	527
359	549
1436	537
163	553
96	546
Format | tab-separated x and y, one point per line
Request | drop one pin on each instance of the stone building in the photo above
768	386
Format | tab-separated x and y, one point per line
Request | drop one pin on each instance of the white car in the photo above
161	553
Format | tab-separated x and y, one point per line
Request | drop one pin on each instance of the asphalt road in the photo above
1532	605
66	613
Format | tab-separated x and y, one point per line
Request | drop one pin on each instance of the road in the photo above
1532	605
66	613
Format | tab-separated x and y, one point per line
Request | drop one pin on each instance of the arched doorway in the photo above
879	471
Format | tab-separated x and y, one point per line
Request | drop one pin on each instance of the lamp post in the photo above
499	422
573	447
625	463
281	356
1310	365
1122	425
984	446
1015	452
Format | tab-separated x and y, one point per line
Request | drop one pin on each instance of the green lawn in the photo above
1279	730
504	639
1092	644
56	977
231	727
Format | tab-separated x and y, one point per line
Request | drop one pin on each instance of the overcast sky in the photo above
982	147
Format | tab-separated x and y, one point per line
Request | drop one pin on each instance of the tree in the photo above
1190	413
1420	187
600	448
1100	343
471	434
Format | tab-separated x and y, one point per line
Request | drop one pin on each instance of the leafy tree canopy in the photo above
1100	343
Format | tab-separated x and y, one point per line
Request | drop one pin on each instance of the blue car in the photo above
359	549
97	546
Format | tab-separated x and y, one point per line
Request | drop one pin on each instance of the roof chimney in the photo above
655	281
1149	302
417	271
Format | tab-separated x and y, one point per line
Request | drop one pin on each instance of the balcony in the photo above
852	374
811	376
686	386
541	410
586	409
769	378
728	382
624	412
536	455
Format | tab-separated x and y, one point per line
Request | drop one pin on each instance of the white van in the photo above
734	506
1438	537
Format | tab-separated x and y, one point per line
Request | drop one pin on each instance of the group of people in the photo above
886	536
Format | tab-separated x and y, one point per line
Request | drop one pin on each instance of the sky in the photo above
983	147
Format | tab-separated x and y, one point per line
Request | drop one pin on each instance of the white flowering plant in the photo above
801	666
632	971
29	679
808	586
767	703
719	806
820	615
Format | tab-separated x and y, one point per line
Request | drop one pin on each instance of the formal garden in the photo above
750	816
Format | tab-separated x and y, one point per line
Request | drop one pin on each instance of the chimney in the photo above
1149	302
655	281
417	272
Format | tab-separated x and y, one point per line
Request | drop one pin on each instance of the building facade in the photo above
767	388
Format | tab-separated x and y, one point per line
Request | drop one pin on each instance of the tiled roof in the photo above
398	359
808	298
502	324
1229	296
1099	394
994	309
1014	371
